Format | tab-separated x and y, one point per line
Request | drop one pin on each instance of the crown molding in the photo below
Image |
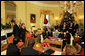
43	4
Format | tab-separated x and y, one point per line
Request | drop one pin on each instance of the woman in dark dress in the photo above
61	35
22	32
68	37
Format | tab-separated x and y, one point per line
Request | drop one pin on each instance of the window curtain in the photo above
42	21
51	19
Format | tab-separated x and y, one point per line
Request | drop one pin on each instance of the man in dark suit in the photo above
57	26
51	28
71	27
50	34
29	50
60	27
22	32
64	27
75	27
16	30
44	34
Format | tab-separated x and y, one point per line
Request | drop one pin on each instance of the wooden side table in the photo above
41	50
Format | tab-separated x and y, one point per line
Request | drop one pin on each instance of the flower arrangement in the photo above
45	46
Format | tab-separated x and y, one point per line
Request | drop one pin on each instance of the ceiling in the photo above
56	3
52	2
10	6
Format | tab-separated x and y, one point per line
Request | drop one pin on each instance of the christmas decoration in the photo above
45	20
68	18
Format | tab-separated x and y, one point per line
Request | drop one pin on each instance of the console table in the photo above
4	32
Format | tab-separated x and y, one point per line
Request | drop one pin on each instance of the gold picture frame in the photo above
33	18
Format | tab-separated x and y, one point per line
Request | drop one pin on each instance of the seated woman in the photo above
72	50
69	50
56	34
61	35
68	37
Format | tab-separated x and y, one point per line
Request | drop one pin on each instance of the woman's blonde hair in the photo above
69	50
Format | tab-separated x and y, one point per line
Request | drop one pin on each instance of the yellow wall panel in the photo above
24	9
3	12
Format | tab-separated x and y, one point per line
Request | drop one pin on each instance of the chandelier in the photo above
71	5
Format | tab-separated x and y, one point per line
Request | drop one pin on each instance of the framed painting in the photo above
33	18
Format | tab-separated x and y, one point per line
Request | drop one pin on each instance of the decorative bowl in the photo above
53	39
46	48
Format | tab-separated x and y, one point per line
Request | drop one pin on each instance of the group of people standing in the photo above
18	46
72	27
19	31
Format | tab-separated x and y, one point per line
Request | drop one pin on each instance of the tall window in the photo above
10	13
47	17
